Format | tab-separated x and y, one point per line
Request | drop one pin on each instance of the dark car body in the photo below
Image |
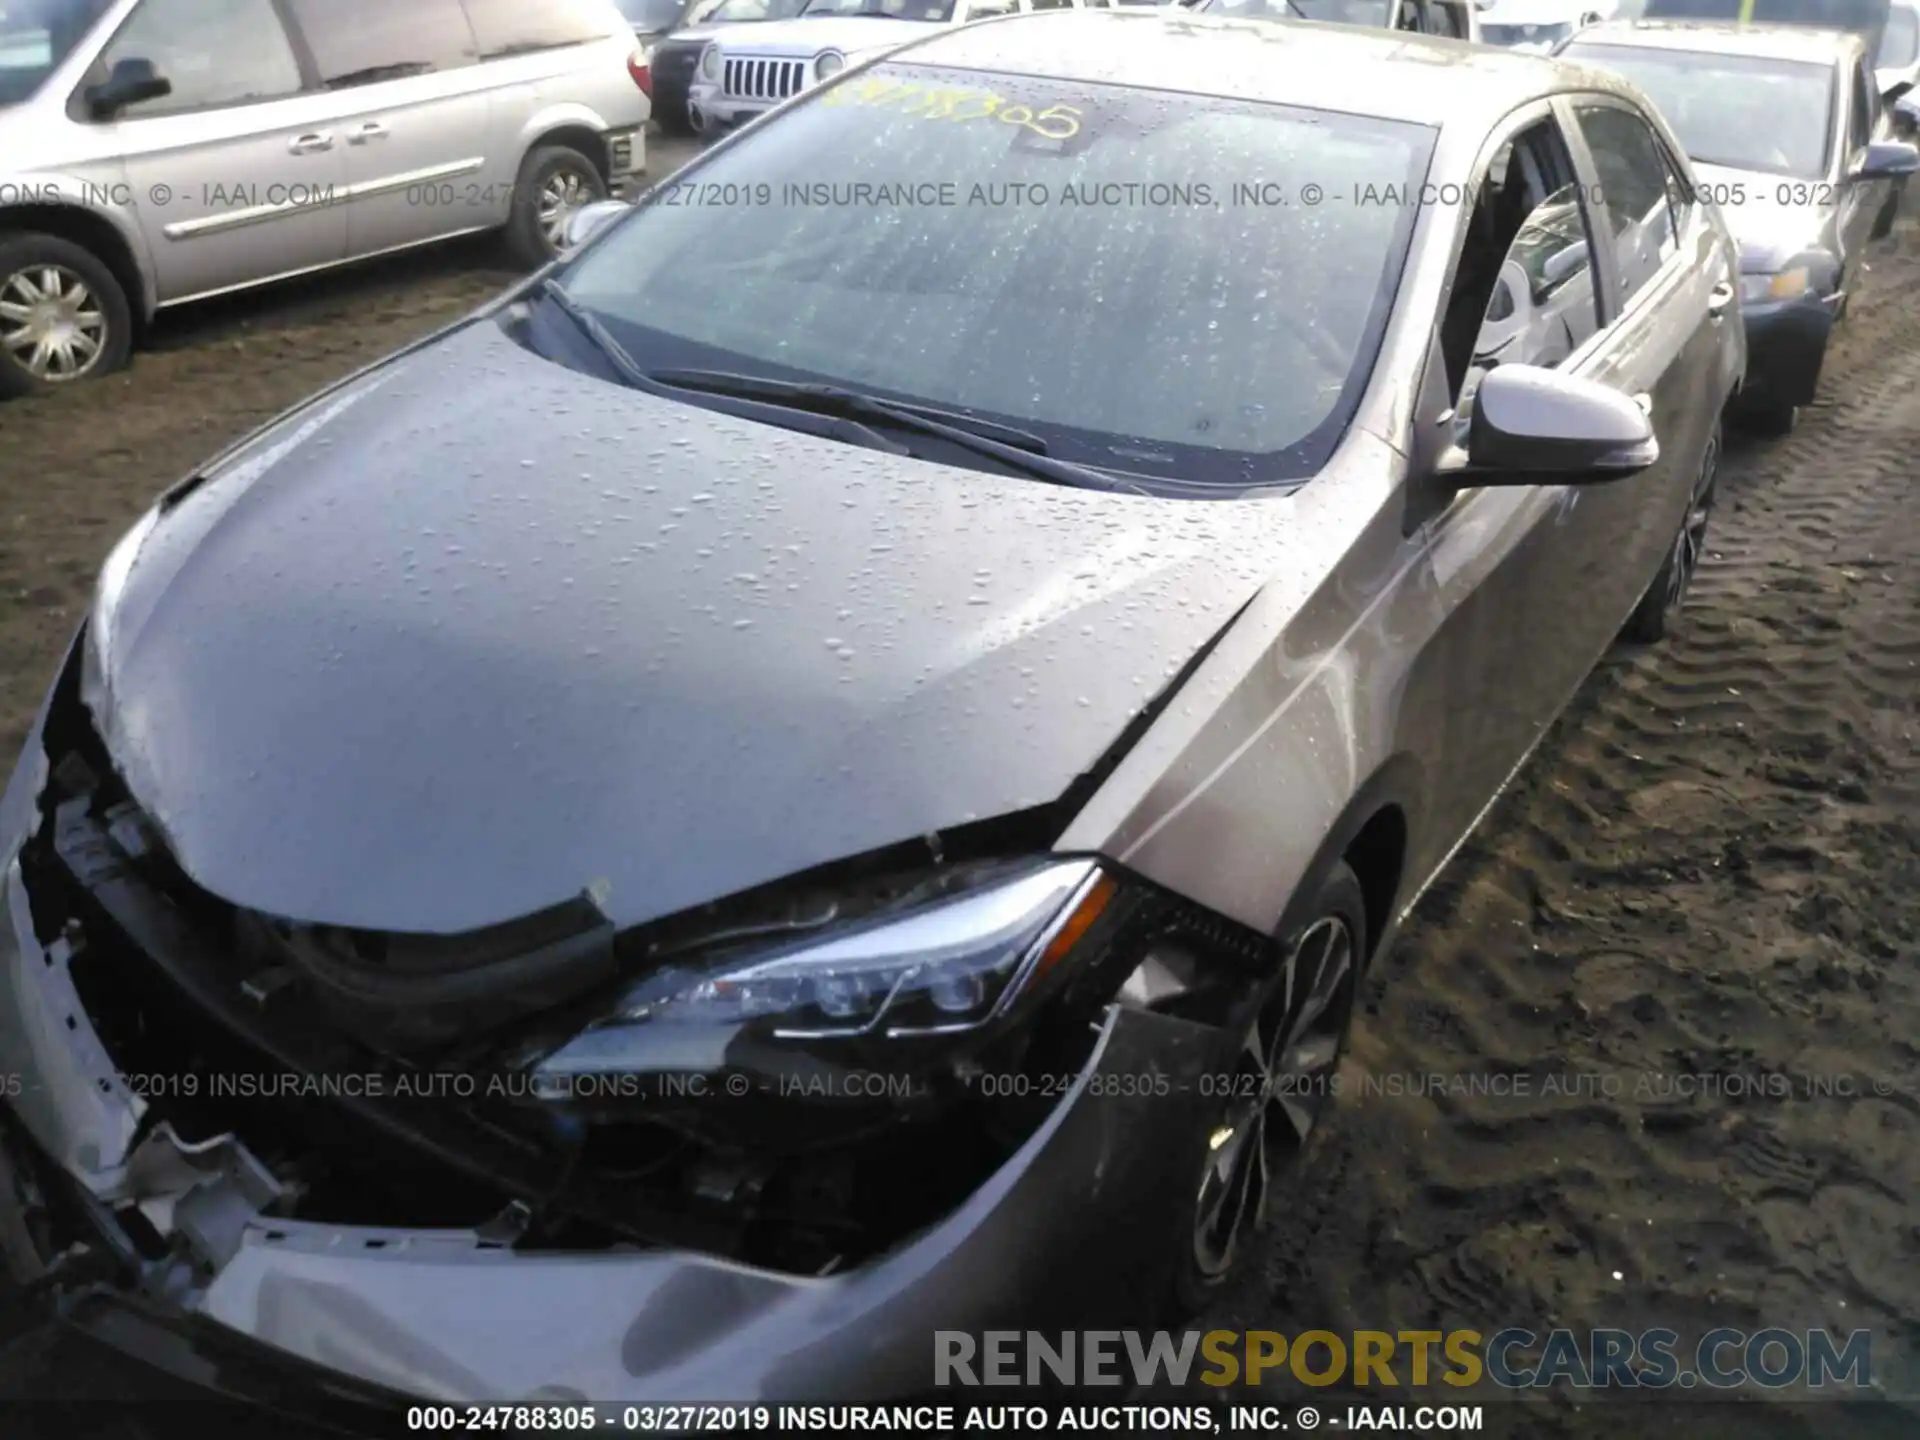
501	666
1804	223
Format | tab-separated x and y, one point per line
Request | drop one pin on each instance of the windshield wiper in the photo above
632	373
1016	449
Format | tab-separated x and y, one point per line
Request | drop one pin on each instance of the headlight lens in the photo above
710	63
830	63
941	968
1787	285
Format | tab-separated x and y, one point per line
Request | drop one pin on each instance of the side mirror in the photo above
1887	159
131	81
1532	426
589	220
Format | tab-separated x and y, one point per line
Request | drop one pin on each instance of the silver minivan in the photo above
154	152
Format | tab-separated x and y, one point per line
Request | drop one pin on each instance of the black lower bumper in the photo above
1786	346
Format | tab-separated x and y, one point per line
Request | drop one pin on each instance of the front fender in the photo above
102	198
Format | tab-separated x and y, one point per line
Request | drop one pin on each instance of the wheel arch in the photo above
100	235
1373	837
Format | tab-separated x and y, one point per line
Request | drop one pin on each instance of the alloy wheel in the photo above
566	191
51	322
1691	542
1277	1089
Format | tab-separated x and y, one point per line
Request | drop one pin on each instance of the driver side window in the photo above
214	52
1524	290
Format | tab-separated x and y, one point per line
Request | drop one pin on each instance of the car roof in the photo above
1395	75
1762	42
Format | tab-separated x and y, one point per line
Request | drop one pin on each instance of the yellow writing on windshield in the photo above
957	103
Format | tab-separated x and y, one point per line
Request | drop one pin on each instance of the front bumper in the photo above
1786	346
1070	1231
709	109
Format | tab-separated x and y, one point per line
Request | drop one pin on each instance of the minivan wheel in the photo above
1654	615
556	181
1270	1103
63	317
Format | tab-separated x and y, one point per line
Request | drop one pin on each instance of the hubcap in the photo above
1691	542
565	192
1277	1090
50	323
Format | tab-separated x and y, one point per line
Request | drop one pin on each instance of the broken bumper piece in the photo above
1066	1231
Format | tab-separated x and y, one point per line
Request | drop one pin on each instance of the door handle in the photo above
372	130
1718	301
311	144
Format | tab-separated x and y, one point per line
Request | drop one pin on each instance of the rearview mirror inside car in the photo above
131	81
1532	426
1887	159
589	220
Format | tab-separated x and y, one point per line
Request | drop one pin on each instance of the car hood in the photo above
477	633
811	35
1770	226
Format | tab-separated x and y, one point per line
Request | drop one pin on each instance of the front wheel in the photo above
556	182
63	316
1654	616
1272	1100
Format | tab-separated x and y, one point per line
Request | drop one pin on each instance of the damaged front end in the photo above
805	1125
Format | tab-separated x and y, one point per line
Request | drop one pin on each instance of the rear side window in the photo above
1634	193
362	42
518	27
213	52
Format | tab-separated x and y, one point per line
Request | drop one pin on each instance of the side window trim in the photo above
1617	306
81	113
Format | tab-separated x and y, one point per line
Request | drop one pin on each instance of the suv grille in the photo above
763	79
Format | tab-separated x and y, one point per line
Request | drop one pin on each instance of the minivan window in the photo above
1086	271
36	37
1374	14
362	42
213	53
517	27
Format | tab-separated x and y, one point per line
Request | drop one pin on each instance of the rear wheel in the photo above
63	316
1282	1080
1654	615
556	182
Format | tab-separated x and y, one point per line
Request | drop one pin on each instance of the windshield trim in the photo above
1281	469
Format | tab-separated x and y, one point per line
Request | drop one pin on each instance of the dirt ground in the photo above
1693	925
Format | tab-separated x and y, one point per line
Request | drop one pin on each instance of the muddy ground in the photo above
1693	926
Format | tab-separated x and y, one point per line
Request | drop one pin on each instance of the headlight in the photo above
938	968
710	63
1787	285
829	64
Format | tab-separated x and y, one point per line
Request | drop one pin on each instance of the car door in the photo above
236	171
1857	204
1517	637
1671	283
411	113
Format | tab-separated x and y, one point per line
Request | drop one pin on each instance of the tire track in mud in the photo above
1704	897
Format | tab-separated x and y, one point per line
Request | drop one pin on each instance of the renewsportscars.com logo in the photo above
1512	1358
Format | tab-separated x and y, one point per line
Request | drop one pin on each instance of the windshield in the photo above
1116	271
734	12
651	15
1900	45
36	36
1741	111
1493	34
1864	17
938	11
1371	13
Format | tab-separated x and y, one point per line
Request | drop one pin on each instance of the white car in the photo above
740	77
1540	25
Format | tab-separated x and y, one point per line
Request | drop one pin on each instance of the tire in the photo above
92	307
1768	422
1327	956
1654	616
547	174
